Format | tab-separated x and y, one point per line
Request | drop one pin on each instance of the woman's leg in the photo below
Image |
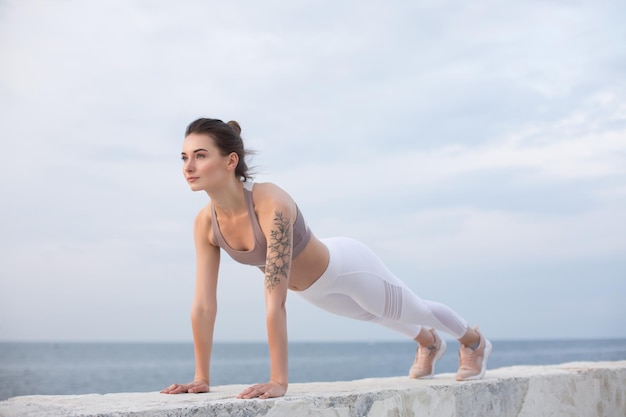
358	285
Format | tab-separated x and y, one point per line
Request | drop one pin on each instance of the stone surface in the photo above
595	389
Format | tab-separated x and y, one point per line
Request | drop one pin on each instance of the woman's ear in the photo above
233	160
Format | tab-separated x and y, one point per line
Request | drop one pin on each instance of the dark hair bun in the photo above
235	126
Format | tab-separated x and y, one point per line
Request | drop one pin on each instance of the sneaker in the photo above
473	363
425	358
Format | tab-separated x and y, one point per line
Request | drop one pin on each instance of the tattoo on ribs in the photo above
279	251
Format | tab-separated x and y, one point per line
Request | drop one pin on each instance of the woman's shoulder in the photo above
269	193
203	223
269	199
205	213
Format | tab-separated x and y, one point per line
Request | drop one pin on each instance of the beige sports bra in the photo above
258	254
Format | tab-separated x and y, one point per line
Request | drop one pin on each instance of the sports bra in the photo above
258	254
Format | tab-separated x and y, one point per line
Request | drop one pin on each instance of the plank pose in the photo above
260	225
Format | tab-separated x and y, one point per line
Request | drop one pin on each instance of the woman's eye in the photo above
199	156
183	158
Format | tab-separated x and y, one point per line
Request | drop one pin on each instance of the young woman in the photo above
260	225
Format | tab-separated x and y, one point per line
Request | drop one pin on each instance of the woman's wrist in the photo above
200	379
283	384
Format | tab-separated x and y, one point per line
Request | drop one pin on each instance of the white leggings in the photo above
358	285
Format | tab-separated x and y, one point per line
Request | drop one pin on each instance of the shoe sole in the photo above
440	352
483	370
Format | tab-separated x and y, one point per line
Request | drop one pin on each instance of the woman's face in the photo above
203	164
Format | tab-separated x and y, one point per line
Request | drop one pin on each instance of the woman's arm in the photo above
204	307
276	216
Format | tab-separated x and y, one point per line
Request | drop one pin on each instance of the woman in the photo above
260	225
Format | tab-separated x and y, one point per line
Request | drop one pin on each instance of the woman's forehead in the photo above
195	141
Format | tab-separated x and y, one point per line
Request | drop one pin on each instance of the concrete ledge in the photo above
595	389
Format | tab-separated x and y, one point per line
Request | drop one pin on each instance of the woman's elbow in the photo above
203	310
276	311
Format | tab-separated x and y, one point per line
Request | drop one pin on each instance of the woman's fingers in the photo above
192	387
170	389
247	392
175	389
263	391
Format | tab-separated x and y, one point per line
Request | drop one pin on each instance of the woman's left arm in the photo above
276	216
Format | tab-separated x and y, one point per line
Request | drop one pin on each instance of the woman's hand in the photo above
192	387
270	390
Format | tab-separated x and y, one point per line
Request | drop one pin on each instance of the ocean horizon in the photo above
70	368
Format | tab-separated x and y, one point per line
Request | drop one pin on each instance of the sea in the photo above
83	368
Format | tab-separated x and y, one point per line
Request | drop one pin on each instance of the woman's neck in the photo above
229	199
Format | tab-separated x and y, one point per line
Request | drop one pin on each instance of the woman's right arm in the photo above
204	307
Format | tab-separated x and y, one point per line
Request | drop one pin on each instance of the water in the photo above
81	368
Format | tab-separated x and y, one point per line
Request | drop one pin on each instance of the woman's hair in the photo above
227	138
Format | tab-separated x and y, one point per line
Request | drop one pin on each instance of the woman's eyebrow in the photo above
197	150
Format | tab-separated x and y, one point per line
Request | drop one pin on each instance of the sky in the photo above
478	147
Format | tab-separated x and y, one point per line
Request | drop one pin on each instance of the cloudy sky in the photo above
478	147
